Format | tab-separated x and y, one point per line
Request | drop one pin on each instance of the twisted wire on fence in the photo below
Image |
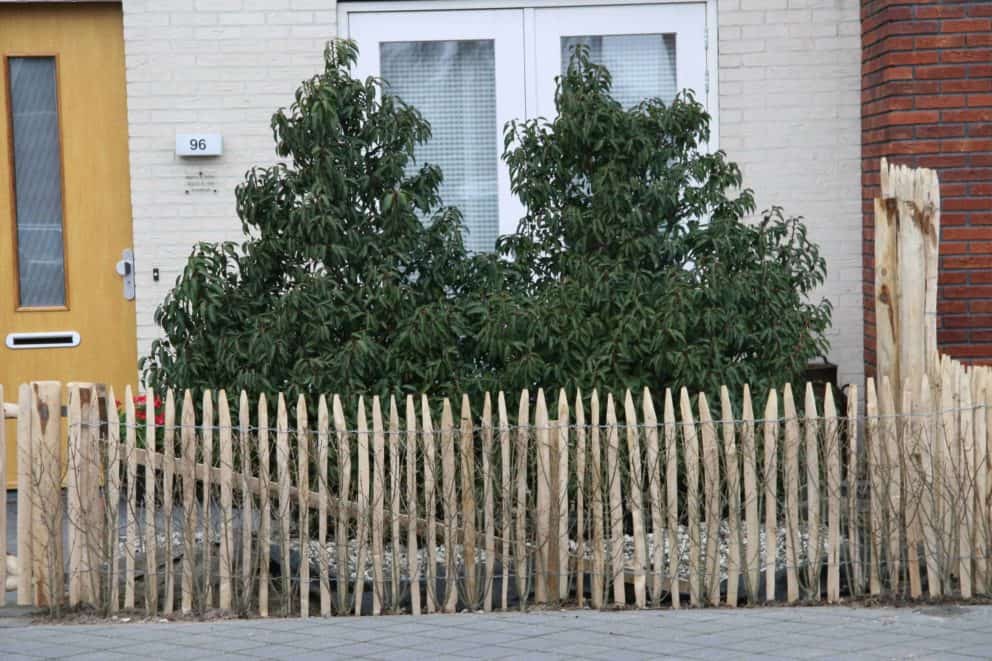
588	501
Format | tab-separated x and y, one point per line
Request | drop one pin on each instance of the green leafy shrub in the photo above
633	265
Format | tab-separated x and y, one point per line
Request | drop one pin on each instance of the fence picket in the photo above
430	503
947	466
188	474
25	496
732	468
876	486
207	430
770	475
413	566
244	449
264	506
113	496
635	497
690	441
542	513
344	495
923	420
226	554
893	482
672	497
966	471
711	483
151	542
323	435
832	440
506	505
617	564
980	387
654	492
363	504
523	435
74	497
394	503
811	427
168	489
907	458
285	505
853	528
378	505
131	513
580	508
596	484
790	475
466	447
488	502
449	506
561	539
303	506
751	522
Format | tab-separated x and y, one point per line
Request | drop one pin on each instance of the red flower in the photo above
160	419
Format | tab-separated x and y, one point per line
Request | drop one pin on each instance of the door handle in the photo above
125	269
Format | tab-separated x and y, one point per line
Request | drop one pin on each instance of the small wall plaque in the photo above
199	144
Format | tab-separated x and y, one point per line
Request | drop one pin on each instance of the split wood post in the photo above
285	504
790	455
876	486
910	460
814	546
394	502
893	483
413	566
924	426
168	483
561	539
131	532
617	563
672	496
244	449
113	496
635	498
887	289
506	504
363	504
188	436
226	553
580	506
711	483
344	494
466	447
378	505
82	495
831	443
207	431
45	484
488	501
654	491
302	502
25	496
596	485
966	484
543	511
690	440
449	500
430	502
732	467
74	497
752	523
523	436
151	541
323	435
264	506
770	476
853	474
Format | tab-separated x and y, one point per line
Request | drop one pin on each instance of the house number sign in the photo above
199	144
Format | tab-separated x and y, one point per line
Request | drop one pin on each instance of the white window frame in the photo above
533	92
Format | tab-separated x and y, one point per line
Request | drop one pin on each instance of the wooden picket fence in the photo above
587	500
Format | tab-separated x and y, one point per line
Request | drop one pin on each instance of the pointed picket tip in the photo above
771	406
704	407
829	406
322	407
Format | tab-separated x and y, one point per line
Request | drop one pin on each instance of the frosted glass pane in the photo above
642	65
453	84
37	181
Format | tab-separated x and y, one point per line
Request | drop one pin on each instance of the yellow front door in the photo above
65	213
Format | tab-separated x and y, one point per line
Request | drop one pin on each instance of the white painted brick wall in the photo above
219	66
789	114
790	108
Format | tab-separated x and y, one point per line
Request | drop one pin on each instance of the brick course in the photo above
927	101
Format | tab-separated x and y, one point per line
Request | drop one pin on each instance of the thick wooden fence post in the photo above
44	480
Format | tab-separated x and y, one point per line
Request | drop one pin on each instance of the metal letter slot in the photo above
54	340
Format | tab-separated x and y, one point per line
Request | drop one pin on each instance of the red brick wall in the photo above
927	100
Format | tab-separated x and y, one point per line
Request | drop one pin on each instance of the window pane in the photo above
642	65
453	84
37	181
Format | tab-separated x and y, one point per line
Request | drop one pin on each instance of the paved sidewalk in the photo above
944	632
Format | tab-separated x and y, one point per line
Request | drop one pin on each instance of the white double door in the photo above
470	71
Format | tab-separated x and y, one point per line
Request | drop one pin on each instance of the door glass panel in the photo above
37	181
642	65
453	84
